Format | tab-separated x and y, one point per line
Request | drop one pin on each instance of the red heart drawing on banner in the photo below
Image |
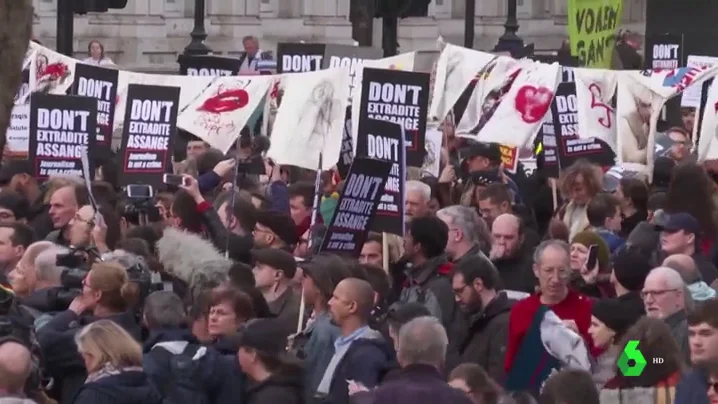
596	102
533	103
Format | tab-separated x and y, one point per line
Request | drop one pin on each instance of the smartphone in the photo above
592	257
140	191
175	180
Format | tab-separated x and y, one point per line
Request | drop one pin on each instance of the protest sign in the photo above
352	56
347	153
148	133
691	96
62	128
299	57
17	136
400	97
664	51
208	65
384	140
100	84
592	28
356	208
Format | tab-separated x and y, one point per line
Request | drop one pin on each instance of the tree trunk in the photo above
15	31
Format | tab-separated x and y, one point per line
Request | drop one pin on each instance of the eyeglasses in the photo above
458	291
656	293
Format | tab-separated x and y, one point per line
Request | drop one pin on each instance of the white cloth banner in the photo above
191	87
495	76
220	112
708	141
50	72
521	112
310	118
595	89
456	68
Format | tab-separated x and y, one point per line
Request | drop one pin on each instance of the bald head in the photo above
359	291
15	365
507	221
684	265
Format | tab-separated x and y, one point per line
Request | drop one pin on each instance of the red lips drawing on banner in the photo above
225	101
596	102
533	103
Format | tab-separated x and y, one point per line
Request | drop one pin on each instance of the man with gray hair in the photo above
665	297
421	351
418	196
686	267
171	343
468	233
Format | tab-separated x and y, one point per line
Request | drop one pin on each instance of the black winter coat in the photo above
129	387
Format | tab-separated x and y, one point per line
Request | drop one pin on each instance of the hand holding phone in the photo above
175	180
592	257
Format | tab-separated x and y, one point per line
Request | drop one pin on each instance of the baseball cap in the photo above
15	167
491	151
280	224
680	221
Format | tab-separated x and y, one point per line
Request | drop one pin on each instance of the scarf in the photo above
109	369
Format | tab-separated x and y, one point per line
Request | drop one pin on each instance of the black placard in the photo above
62	128
208	65
100	84
356	208
401	97
349	56
24	89
384	140
148	133
664	51
346	154
299	57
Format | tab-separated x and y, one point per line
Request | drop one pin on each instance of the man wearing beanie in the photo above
273	272
275	230
584	279
630	269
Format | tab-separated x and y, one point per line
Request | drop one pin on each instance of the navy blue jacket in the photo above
418	384
366	361
692	388
221	377
61	359
129	387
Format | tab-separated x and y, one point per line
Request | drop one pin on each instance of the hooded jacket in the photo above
221	377
283	387
429	284
192	259
129	387
367	360
485	340
700	291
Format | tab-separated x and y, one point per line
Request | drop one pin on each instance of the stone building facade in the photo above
149	34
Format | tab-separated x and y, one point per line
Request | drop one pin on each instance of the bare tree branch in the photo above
15	31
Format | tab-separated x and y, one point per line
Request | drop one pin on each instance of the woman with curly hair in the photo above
691	191
579	183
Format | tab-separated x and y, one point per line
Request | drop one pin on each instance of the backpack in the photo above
183	383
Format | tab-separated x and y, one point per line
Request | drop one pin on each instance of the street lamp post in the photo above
469	22
510	41
198	34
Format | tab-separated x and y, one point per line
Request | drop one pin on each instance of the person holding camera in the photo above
107	293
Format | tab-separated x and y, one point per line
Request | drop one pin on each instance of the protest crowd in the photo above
145	261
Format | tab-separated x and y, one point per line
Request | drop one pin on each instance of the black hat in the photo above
615	314
401	313
280	224
276	258
264	334
491	151
631	267
15	203
681	221
326	270
15	167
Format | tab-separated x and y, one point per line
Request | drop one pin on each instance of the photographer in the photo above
107	293
37	282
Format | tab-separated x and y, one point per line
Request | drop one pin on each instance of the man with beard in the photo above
475	284
511	255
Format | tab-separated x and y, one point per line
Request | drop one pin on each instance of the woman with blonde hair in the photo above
107	294
113	360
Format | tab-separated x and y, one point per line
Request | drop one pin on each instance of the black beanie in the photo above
631	267
326	270
616	315
432	233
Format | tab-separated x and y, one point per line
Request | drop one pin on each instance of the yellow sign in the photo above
592	28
